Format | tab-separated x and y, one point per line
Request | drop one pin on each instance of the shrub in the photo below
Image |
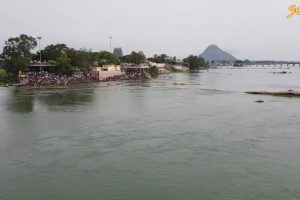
3	74
153	70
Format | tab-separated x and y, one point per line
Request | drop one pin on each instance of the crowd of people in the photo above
52	79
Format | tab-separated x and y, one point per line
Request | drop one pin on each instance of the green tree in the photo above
22	62
105	57
195	62
17	52
163	58
60	56
1	62
81	59
63	64
52	52
66	59
135	57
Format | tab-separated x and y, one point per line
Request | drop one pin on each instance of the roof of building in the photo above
39	64
129	66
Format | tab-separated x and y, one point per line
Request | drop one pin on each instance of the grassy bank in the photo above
3	82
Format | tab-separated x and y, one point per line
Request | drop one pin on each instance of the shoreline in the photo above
76	85
83	83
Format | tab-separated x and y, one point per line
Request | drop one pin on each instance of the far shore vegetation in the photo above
18	53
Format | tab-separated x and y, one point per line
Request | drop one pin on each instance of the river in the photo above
142	140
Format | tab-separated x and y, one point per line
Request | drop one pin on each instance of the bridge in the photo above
248	63
273	63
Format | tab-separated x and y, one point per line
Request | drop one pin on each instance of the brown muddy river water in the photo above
154	140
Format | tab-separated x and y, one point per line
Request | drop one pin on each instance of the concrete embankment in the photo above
107	75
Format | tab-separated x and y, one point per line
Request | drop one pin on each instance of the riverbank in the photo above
46	80
5	83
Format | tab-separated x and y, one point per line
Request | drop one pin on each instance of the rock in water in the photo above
259	101
289	93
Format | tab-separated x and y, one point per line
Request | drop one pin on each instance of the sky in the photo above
249	29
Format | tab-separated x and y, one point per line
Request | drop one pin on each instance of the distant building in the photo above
158	65
106	72
111	68
118	52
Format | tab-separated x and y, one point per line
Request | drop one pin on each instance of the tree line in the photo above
18	53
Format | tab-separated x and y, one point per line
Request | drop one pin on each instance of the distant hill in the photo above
213	52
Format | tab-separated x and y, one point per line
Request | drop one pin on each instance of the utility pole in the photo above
39	38
110	43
